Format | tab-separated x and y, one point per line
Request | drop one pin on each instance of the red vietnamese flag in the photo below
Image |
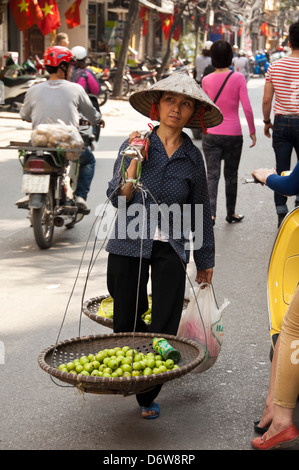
166	21
26	13
51	19
143	14
72	15
177	31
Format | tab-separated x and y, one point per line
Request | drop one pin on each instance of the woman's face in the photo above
175	109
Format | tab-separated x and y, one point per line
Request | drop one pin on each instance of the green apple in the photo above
126	367
88	367
95	364
112	364
126	360
70	366
169	363
83	360
100	357
150	362
137	365
79	369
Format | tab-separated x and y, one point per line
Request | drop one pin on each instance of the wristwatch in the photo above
267	122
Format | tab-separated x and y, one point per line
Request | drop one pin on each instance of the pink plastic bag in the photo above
202	322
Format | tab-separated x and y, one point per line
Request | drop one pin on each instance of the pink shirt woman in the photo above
234	92
225	141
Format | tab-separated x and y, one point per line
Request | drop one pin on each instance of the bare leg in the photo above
268	412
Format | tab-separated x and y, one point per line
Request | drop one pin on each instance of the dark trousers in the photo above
168	288
285	138
229	149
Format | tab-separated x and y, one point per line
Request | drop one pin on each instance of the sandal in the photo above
153	407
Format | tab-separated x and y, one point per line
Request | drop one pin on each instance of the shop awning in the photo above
167	7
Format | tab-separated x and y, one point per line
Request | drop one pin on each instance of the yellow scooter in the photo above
283	272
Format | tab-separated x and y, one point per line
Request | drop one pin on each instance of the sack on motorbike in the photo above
60	135
202	322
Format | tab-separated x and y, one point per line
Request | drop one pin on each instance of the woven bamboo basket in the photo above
192	354
90	308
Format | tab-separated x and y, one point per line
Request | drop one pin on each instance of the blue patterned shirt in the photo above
178	187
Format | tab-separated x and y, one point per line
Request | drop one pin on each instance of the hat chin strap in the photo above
200	115
154	114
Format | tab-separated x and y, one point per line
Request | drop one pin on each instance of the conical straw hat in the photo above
182	83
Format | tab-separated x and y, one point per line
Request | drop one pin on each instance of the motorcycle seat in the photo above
141	72
11	82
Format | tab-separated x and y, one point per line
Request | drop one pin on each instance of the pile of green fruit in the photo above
119	362
106	309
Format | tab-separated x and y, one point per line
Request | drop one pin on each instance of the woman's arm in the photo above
288	185
244	98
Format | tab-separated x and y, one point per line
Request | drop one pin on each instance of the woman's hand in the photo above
204	276
133	136
253	138
262	174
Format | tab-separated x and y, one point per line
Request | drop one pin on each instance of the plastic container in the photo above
162	347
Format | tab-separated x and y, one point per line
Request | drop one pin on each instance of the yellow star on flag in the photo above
47	9
167	22
23	6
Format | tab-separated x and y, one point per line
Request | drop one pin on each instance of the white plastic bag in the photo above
202	322
59	135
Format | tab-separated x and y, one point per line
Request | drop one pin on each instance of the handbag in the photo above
202	322
222	86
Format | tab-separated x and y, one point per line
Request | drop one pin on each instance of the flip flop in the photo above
153	407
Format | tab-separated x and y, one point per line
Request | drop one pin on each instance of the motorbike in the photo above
283	271
49	179
140	76
106	77
14	83
106	87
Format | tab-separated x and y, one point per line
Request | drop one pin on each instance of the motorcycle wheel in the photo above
43	227
102	99
125	87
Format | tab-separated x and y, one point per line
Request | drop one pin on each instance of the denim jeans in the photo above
86	172
229	149
285	138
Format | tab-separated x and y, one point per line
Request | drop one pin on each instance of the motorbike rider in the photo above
59	98
82	74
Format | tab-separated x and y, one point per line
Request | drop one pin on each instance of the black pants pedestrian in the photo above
229	149
168	288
